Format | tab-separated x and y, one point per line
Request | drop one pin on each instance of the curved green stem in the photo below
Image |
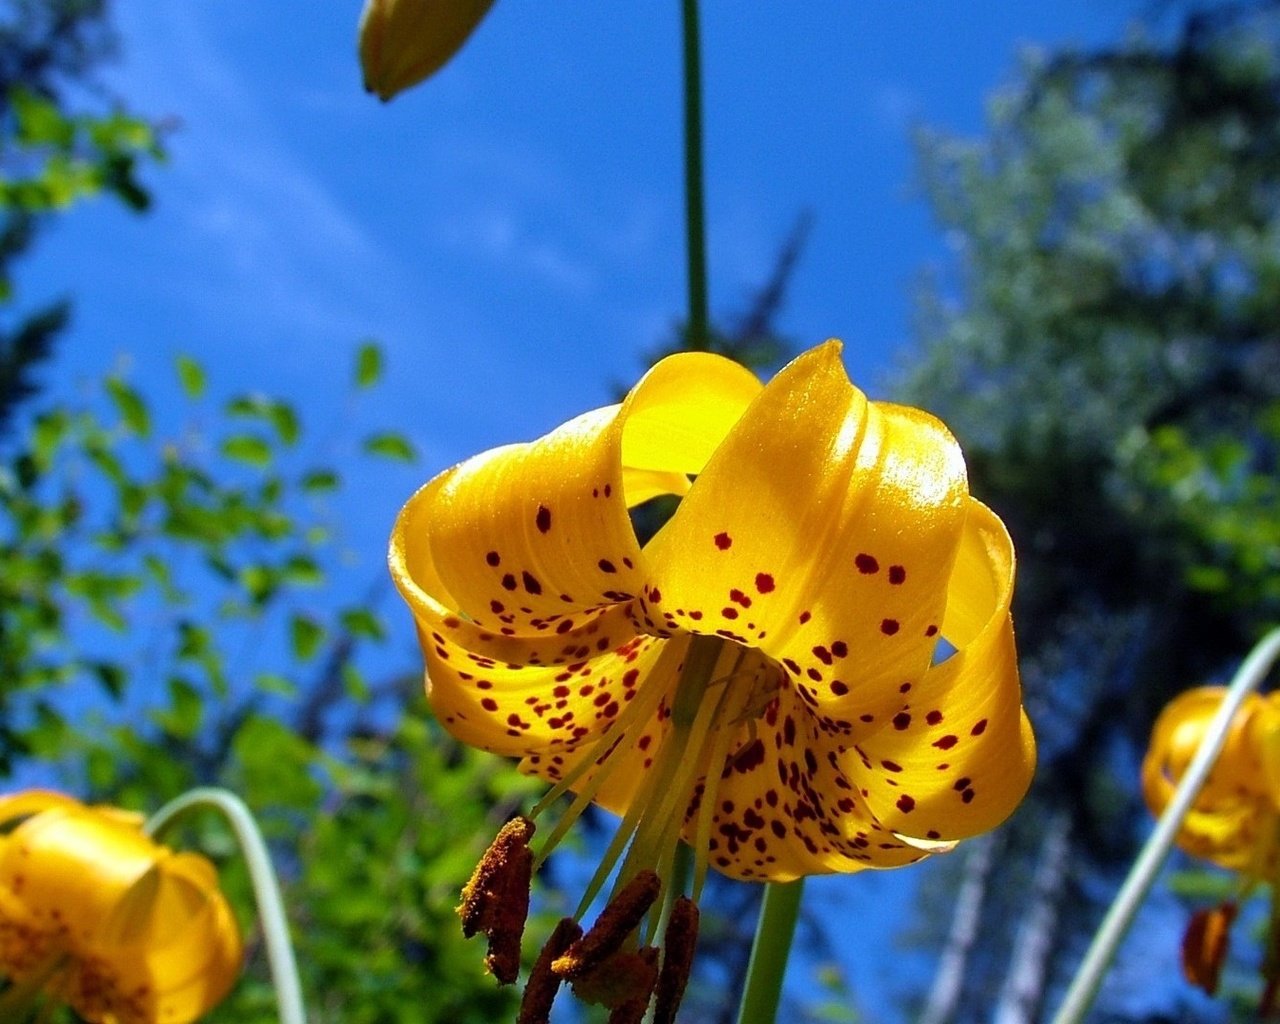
1142	875
778	915
698	334
266	889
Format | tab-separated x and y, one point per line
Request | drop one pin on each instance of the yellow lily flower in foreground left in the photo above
760	678
95	914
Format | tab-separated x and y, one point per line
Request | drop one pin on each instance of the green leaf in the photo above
191	376
247	448
390	445
130	405
306	635
363	623
319	480
368	365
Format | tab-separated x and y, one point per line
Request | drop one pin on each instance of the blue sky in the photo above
512	231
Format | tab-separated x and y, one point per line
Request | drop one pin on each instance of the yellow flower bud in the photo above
403	42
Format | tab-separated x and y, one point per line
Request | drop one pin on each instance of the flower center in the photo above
721	688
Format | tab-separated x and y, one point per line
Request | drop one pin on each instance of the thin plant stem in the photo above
698	334
778	915
266	889
1084	987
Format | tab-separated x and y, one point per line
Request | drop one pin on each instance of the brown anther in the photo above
496	899
633	1010
621	982
618	919
540	990
1204	946
677	959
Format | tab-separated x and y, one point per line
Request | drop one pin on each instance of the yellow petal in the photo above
822	532
74	865
526	707
958	756
786	808
518	537
14	806
403	42
182	949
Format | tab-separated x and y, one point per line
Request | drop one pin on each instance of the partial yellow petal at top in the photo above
403	42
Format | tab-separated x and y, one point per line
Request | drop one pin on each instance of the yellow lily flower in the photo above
760	677
95	914
1235	820
403	42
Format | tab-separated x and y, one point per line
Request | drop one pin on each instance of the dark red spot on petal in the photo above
889	626
931	631
723	541
839	688
906	804
606	565
866	564
543	518
489	704
901	720
492	558
979	729
509	581
933	717
897	574
764	582
804	617
531	583
946	743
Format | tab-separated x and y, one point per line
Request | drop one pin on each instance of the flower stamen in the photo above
496	899
543	984
619	919
678	943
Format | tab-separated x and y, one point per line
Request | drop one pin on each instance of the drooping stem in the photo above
699	331
1142	875
266	889
779	912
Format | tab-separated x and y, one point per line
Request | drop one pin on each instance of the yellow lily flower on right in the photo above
1234	821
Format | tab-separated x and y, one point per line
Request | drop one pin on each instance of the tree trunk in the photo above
1023	989
949	981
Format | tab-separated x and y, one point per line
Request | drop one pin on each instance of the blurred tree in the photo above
60	141
1109	356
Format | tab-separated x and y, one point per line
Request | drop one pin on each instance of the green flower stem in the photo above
1142	875
266	889
778	915
699	330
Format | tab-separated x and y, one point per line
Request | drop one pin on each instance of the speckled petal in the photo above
958	756
71	857
822	532
525	534
785	806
